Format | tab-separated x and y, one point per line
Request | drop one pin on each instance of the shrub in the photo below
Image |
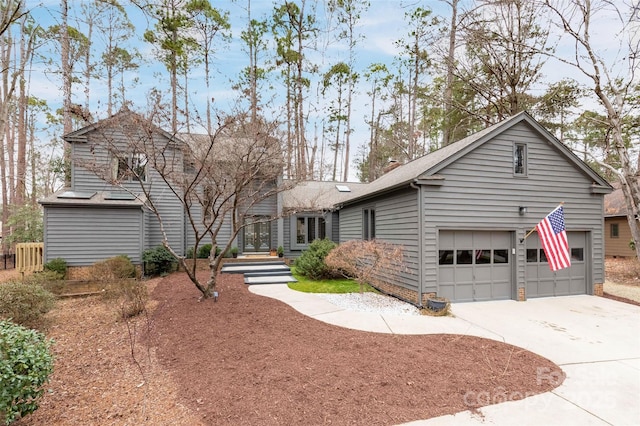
311	263
130	295
25	304
366	261
25	366
204	251
114	268
58	265
49	280
158	260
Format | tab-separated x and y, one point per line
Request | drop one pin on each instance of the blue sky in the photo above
381	25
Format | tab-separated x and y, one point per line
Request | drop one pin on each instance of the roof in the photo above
429	165
614	202
124	116
314	195
67	197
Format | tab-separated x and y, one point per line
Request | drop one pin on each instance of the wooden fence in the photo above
29	257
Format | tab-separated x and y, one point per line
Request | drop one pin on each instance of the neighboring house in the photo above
461	214
616	225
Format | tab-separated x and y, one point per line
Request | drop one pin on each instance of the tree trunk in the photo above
450	63
67	125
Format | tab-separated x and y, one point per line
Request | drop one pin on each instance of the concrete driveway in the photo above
595	340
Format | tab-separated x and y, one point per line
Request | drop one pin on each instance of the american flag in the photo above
553	237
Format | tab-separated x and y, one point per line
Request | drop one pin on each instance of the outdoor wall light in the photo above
522	210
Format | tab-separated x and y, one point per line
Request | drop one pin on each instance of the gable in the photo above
492	164
521	127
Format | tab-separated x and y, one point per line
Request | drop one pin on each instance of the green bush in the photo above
114	268
25	366
204	251
25	304
58	265
158	261
311	263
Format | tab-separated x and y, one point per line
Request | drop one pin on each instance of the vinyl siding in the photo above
481	192
396	222
94	154
618	246
83	236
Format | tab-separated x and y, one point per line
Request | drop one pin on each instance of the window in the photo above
520	159
368	224
577	254
483	257
472	257
307	229
463	257
543	256
532	255
130	168
614	230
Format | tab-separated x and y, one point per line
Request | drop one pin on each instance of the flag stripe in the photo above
553	237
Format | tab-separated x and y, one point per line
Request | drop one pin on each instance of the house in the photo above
104	211
617	231
461	213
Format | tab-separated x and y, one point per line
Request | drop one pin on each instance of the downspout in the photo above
280	215
420	260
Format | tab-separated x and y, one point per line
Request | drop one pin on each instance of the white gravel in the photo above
371	302
627	291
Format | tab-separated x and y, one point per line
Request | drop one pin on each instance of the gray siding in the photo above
481	192
396	222
83	235
95	154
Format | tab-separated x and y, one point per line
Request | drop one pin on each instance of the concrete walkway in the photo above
595	340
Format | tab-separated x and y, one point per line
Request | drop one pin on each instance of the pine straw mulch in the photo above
253	360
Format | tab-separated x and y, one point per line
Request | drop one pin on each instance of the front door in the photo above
257	236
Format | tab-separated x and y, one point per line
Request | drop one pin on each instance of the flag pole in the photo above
534	228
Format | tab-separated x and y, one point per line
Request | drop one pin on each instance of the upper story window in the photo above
368	224
131	168
520	159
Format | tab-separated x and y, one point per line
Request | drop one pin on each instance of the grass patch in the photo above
341	285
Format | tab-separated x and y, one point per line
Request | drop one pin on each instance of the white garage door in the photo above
542	281
475	265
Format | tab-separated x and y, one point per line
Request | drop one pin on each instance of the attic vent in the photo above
119	196
343	188
77	195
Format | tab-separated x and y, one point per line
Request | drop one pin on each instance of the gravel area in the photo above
371	302
621	290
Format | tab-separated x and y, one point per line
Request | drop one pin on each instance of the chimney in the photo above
393	164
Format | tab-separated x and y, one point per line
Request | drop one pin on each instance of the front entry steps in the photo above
260	272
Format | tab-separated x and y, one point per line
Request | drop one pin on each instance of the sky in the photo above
381	25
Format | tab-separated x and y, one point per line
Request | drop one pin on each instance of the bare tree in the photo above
610	82
218	178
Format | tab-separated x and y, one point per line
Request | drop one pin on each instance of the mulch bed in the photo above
248	359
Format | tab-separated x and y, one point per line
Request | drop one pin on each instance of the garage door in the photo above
541	281
474	265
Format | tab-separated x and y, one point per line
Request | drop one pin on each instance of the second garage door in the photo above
475	265
541	281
